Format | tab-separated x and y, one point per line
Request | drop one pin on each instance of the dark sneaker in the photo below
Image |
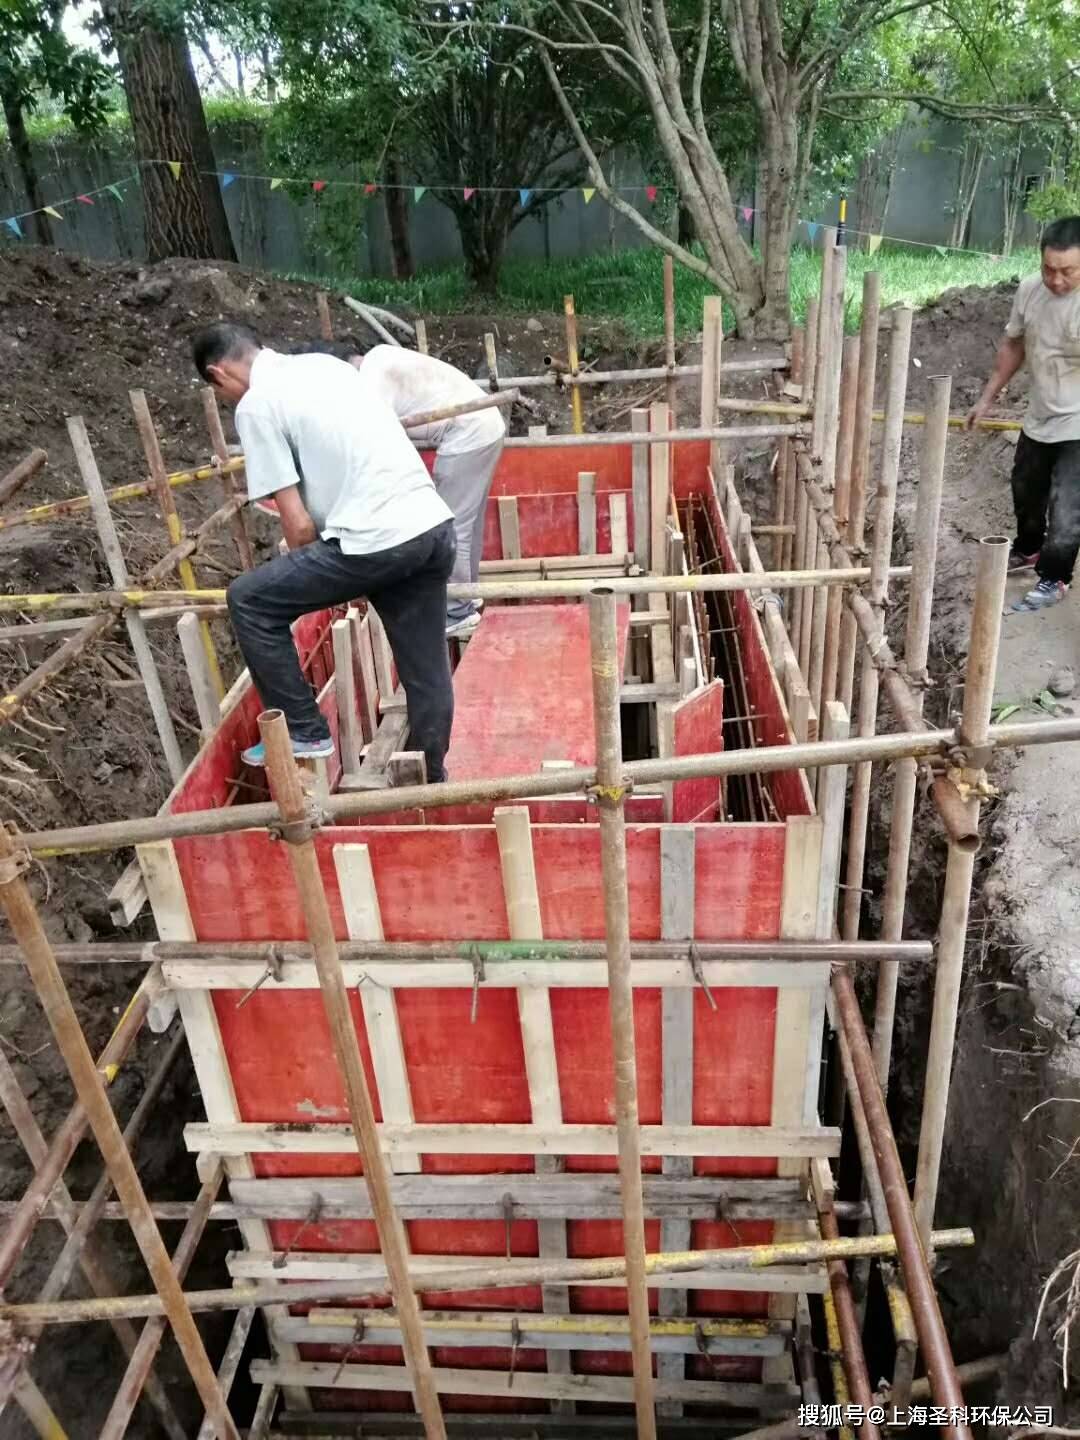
301	749
1045	594
1018	561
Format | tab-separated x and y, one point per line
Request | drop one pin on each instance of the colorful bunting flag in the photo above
524	197
469	191
650	194
942	250
175	166
747	213
113	190
419	191
811	229
370	189
318	186
874	244
275	183
588	191
227	178
85	199
14	226
51	210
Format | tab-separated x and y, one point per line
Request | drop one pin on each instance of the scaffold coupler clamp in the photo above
609	796
297	832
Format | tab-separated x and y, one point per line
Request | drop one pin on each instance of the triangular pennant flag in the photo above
524	196
175	167
650	194
14	226
227	178
588	191
811	229
942	250
469	191
419	191
50	210
747	213
875	244
275	183
85	199
113	190
370	189
318	186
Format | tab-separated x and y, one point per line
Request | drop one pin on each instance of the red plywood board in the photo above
548	525
523	693
699	730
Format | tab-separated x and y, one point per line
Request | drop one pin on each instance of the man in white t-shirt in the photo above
361	518
467	448
1044	330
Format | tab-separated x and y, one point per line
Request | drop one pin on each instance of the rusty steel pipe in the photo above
941	1369
852	1358
610	795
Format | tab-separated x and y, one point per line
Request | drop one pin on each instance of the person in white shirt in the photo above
467	448
361	517
1044	331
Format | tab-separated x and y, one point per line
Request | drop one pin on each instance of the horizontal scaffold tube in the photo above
535	1272
769	759
139	599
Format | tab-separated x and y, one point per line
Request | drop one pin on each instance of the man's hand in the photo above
978	411
297	524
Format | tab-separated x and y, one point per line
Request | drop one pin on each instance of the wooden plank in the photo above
364	920
384	659
639	420
165	890
366	655
659	490
765	1141
196	662
350	736
562	1195
665	747
369	1271
677	886
798	921
832	795
619	524
528	1384
407	767
128	896
457	974
374	767
587	512
509	527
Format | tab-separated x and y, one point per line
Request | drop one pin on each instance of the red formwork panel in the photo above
438	877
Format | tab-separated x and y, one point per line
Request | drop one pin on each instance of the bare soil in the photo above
75	336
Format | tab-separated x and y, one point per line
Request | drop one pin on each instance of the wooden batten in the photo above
587	512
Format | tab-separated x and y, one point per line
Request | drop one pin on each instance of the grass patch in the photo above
628	285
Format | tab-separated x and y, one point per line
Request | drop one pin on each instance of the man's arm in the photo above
1009	358
296	524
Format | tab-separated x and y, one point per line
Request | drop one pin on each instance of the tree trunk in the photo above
484	226
967	185
183	215
397	219
24	158
1012	194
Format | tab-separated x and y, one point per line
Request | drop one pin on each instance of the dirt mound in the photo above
957	335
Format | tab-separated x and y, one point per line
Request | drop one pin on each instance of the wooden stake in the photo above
289	795
230	478
587	512
25	470
144	423
491	356
369	715
421	336
201	681
136	628
711	347
509	530
659	490
326	327
350	735
669	335
577	414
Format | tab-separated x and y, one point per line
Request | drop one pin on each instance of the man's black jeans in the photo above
406	585
1046	497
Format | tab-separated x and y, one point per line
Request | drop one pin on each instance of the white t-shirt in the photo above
318	422
1050	327
413	383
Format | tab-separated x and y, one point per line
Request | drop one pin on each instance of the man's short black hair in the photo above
343	349
1061	234
224	341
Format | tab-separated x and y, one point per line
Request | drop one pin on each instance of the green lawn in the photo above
627	285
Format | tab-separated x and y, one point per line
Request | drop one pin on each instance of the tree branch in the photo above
953	109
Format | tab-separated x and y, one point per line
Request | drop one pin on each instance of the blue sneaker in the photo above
301	749
1045	594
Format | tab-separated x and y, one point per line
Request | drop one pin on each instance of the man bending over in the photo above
361	517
